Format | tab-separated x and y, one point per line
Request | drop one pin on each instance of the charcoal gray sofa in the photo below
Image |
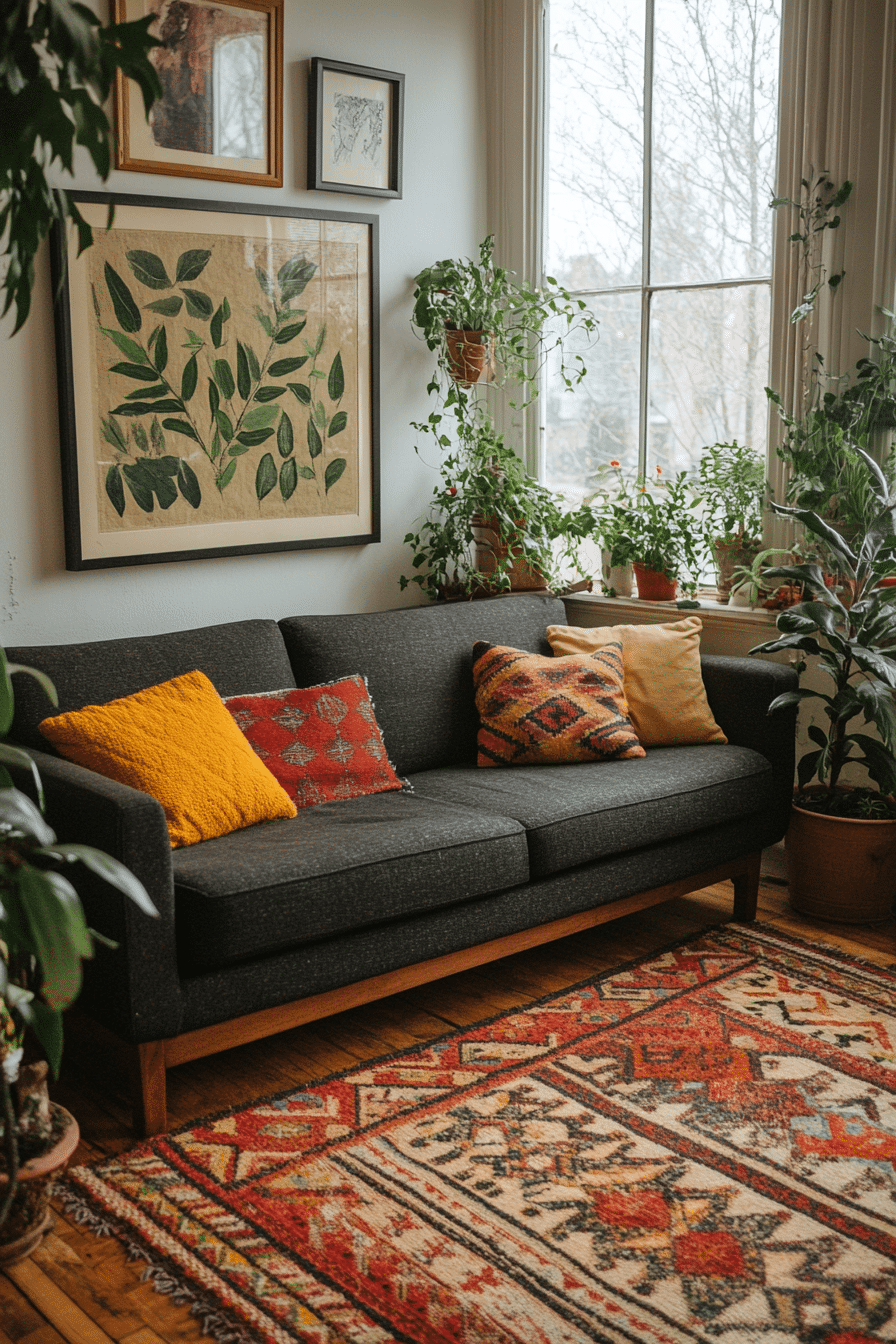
289	921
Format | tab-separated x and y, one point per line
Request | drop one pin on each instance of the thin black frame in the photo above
62	247
316	181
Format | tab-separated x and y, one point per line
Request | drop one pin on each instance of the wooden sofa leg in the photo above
149	1089
746	889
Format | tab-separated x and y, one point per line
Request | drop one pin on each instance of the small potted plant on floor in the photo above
43	941
841	845
731	479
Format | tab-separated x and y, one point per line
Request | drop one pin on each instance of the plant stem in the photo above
10	1147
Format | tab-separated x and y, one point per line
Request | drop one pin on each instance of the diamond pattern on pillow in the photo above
543	711
322	743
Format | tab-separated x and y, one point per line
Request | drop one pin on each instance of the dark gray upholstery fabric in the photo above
418	663
341	961
238	657
739	691
335	868
574	814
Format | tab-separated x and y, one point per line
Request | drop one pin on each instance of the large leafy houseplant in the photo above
854	646
483	483
44	939
57	66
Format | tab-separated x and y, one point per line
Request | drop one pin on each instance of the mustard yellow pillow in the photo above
661	672
178	742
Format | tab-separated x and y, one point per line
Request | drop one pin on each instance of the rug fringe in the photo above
158	1274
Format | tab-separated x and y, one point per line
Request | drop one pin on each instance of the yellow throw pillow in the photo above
666	697
177	742
546	711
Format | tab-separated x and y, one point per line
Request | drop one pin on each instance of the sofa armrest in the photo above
134	989
740	691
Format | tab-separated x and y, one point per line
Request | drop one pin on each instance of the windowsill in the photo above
708	610
732	631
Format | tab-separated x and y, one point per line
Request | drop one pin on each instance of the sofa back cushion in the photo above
237	657
418	662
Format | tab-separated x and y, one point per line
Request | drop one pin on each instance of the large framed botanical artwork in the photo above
218	380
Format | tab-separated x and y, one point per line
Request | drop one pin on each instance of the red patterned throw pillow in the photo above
544	711
322	743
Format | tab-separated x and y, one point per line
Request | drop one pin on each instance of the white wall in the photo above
438	48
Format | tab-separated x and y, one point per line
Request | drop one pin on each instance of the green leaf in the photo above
265	476
156	435
243	376
320	415
112	433
111	871
285	438
153	394
307	473
130	348
289	478
189	378
222	312
141	438
336	380
225	427
264	281
301	392
57	932
252	438
321	337
127	314
224	378
189	485
198	304
115	490
338	423
160	353
143	372
149	269
289	333
214	397
254	366
182	427
334	471
281	367
315	446
46	1023
191	264
237	450
147	407
268	393
260	416
169	307
265	322
227	475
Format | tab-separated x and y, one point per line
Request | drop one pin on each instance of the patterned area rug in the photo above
700	1147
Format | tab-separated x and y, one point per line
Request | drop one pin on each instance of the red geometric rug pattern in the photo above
700	1147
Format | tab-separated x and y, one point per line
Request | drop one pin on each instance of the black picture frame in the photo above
356	166
258	327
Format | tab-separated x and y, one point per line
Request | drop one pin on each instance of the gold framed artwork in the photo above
218	380
220	117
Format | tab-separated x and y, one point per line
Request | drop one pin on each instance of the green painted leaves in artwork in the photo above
191	264
188	484
181	427
148	269
198	304
301	392
152	476
285	437
226	475
269	393
265	476
315	446
112	433
336	379
216	329
293	276
289	332
338	423
224	378
143	372
259	417
115	489
243	376
129	348
189	378
281	367
127	314
289	478
333	472
169	307
159	345
225	427
251	438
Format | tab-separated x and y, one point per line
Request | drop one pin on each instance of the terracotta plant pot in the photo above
472	356
654	585
841	868
490	550
729	555
30	1218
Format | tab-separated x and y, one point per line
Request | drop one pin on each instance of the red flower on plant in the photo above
452	490
614	463
659	471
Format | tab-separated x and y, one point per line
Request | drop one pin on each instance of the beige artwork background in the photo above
225	471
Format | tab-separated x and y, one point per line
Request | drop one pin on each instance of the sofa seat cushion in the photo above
334	869
574	814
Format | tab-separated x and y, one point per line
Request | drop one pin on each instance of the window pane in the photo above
714	136
708	370
595	142
597	423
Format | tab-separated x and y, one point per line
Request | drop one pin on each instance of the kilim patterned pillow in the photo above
542	711
322	743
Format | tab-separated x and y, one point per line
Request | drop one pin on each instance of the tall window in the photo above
661	157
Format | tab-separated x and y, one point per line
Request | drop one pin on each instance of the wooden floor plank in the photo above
93	1275
55	1305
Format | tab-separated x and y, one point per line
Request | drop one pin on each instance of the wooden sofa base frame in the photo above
149	1060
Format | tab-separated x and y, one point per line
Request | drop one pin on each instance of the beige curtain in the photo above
837	114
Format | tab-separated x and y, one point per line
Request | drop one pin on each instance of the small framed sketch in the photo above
220	116
218	380
355	118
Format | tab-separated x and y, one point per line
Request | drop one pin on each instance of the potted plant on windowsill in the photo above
654	524
731	478
841	845
43	941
